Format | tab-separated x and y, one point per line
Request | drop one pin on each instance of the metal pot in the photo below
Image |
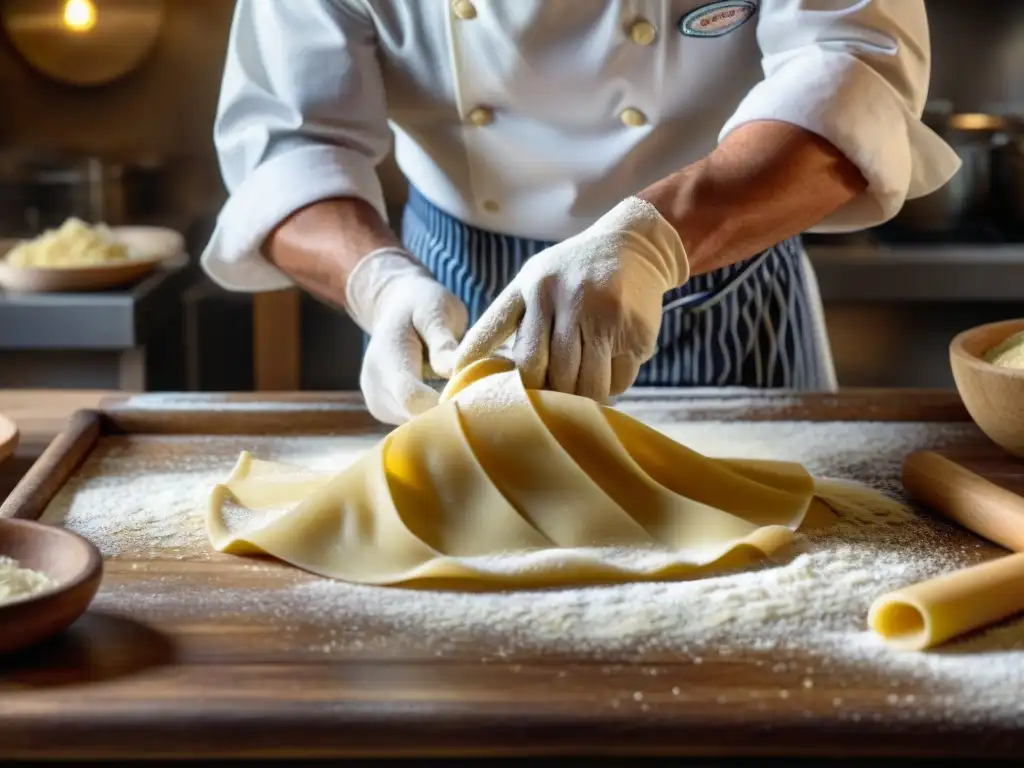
965	200
90	189
41	190
1008	177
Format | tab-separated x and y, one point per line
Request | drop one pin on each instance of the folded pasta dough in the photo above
504	484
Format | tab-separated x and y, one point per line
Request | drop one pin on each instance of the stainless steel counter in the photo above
914	273
122	338
893	308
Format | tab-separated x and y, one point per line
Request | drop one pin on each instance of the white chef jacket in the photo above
534	117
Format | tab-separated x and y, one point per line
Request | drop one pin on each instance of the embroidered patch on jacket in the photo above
717	19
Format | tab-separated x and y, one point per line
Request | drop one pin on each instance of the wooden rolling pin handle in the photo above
972	501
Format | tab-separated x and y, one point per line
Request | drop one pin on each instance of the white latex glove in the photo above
396	300
586	312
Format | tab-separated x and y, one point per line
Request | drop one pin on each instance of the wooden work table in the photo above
115	686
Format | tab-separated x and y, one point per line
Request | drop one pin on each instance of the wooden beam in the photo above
276	326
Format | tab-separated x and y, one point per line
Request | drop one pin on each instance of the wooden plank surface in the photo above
428	709
168	665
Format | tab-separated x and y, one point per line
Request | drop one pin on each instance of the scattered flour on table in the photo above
148	495
808	607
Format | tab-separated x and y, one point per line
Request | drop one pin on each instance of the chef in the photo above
614	190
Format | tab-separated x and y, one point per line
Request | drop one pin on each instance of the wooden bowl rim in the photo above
93	564
958	347
9	432
129	263
44	280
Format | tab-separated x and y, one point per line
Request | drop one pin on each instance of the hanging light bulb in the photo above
79	15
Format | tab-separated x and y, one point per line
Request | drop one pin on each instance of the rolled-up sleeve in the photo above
302	117
855	72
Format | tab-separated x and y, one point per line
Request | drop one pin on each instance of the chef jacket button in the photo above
491	206
643	32
634	118
481	116
464	9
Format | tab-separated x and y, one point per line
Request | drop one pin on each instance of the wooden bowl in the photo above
994	396
8	438
150	247
71	561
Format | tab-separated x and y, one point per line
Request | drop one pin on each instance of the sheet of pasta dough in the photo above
501	484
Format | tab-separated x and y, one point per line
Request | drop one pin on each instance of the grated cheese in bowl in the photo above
74	244
17	583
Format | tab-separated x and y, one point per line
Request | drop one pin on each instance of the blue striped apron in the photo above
757	323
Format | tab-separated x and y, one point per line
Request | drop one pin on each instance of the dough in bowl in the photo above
74	244
517	487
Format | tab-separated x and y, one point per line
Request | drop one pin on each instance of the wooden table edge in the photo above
368	730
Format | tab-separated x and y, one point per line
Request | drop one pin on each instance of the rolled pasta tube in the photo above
924	615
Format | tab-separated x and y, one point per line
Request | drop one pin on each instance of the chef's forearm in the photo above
319	246
767	181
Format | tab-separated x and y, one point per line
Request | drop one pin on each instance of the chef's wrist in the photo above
766	182
690	201
320	245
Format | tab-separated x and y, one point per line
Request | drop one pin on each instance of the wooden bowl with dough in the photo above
72	562
993	395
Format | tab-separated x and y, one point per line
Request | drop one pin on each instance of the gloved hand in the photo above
396	300
586	312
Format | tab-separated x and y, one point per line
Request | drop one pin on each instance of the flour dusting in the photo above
494	393
138	498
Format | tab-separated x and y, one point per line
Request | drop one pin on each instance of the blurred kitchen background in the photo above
138	150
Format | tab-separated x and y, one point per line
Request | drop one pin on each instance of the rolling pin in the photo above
979	505
926	614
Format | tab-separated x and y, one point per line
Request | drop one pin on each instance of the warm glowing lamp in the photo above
79	15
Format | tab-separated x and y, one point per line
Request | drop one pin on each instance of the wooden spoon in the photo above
8	438
71	561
